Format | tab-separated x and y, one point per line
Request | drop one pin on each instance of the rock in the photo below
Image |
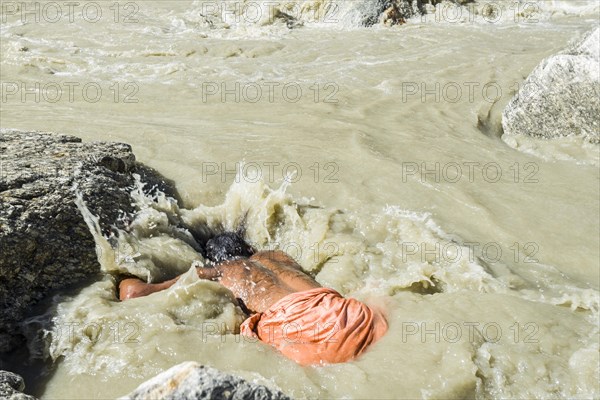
11	386
44	242
561	97
192	381
395	12
390	12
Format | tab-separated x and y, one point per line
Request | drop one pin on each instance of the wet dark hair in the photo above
227	246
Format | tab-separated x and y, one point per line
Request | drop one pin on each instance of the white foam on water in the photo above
360	246
568	148
368	256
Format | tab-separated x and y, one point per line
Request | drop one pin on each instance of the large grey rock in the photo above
390	12
561	97
393	12
44	242
12	386
192	381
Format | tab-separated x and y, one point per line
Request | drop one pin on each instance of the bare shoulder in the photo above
233	267
209	273
276	257
286	269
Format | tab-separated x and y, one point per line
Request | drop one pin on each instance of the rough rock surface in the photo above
390	11
11	386
192	381
561	97
393	12
44	242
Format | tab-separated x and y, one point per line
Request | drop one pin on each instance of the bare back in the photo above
288	270
258	282
263	279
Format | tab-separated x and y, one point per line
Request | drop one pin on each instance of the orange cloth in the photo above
317	325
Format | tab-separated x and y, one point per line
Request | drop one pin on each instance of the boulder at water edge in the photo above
44	243
192	381
11	387
561	97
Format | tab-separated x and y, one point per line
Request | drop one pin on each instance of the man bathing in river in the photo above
289	310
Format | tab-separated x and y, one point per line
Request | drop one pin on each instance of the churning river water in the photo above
374	156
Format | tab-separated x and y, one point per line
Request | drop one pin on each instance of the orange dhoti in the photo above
317	326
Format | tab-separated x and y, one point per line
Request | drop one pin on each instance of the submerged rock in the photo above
561	97
192	381
12	386
44	243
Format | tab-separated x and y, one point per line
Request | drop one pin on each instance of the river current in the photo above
374	156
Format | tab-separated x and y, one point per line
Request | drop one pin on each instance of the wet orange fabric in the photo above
317	325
